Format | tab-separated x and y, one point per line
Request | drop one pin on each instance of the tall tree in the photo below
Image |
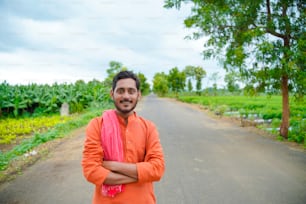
200	73
114	68
231	81
160	84
189	72
197	73
144	85
189	85
215	77
265	40
176	80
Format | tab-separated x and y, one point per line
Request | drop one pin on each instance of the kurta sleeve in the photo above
93	154
153	167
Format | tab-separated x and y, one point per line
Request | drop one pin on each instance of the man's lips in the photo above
126	102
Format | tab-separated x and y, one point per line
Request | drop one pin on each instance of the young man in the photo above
122	153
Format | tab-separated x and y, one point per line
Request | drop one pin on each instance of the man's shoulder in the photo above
146	121
96	120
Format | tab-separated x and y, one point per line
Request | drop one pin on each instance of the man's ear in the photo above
112	94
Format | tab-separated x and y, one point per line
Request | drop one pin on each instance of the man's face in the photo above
125	96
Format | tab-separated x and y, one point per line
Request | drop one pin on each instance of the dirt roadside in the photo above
50	176
20	164
42	151
237	122
277	172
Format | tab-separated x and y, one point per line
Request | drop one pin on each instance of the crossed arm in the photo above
120	172
114	172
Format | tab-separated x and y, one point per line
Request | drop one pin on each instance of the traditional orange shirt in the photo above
141	145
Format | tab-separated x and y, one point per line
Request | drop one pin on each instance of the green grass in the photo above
59	130
265	107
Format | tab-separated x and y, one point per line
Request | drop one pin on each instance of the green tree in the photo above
189	72
114	68
144	85
189	85
215	77
176	80
200	73
231	79
197	73
160	84
265	40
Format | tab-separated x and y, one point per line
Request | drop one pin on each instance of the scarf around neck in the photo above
112	147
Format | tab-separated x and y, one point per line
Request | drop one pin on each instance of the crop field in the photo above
260	108
30	114
11	129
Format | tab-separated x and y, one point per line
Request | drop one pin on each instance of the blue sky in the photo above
47	41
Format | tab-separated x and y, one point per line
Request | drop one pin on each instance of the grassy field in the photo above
20	136
267	109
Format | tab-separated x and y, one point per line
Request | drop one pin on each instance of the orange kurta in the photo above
141	145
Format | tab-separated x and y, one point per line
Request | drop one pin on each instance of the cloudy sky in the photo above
47	41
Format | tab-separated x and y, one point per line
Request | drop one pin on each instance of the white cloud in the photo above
24	66
76	39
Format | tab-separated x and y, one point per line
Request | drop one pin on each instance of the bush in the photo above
297	132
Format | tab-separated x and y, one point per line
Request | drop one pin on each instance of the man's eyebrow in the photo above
126	88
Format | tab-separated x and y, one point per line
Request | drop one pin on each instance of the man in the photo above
122	153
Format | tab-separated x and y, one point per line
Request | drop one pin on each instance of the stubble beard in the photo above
127	110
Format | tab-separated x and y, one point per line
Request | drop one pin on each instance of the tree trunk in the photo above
285	104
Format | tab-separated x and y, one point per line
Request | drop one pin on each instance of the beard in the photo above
125	111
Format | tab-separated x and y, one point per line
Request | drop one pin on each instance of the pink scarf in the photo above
112	147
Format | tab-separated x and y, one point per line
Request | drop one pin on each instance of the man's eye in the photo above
132	91
120	91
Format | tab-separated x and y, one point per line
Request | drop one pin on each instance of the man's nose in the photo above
126	94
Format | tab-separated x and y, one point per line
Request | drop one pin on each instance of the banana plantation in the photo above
30	114
36	100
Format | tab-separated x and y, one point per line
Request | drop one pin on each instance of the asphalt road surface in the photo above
208	161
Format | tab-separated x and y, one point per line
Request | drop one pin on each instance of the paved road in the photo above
207	161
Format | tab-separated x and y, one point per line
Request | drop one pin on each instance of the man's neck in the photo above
125	116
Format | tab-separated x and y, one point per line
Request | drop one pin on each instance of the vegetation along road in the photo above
207	161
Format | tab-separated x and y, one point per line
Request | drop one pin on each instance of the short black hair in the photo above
125	75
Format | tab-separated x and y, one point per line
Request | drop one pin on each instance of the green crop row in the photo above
29	114
33	99
12	128
265	107
60	128
268	106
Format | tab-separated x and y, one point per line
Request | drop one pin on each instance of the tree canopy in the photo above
197	73
160	84
264	40
144	85
115	67
176	80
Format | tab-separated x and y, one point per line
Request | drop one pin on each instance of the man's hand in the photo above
117	179
109	165
121	173
127	169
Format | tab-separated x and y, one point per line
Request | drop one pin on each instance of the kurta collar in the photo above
131	118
